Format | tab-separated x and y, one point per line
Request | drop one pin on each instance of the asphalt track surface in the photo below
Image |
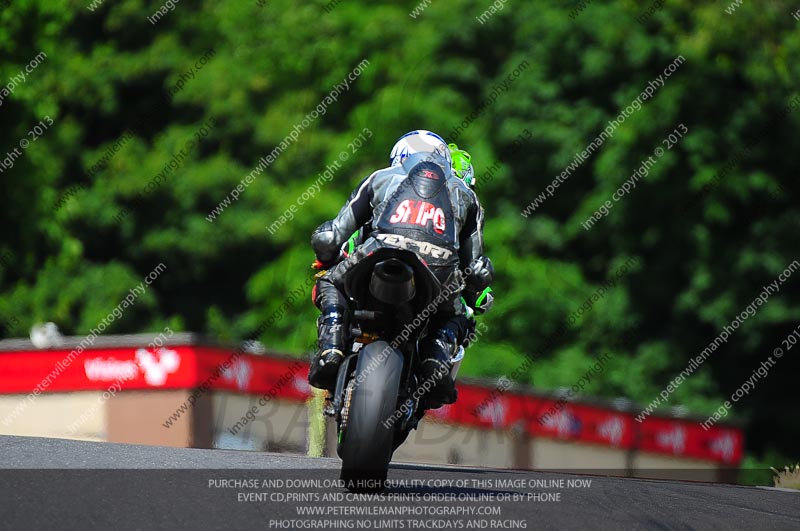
64	484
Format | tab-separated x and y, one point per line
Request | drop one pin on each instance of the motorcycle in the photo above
378	398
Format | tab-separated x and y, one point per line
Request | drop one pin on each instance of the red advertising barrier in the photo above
485	407
162	368
212	368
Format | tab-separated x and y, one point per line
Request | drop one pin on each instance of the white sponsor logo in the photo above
110	369
395	240
240	371
565	424
301	384
674	440
612	430
495	412
158	366
154	367
419	213
724	446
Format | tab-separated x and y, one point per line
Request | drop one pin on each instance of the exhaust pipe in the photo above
392	282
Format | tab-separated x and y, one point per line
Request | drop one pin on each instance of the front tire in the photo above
366	440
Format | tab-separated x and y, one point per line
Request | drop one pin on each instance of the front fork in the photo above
335	405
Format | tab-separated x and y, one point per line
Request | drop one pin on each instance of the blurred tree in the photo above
207	91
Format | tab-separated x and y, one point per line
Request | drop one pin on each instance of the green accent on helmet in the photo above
482	296
462	164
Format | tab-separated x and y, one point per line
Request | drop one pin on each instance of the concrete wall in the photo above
437	443
278	426
665	467
559	455
282	426
66	415
141	417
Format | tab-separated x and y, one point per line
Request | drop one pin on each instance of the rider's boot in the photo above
434	368
331	337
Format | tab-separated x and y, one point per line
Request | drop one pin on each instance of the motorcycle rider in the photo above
477	302
461	164
418	199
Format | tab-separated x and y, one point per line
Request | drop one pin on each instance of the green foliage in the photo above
111	79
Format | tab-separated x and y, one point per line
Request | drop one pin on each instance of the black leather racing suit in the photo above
418	205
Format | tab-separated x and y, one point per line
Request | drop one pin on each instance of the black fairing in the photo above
357	280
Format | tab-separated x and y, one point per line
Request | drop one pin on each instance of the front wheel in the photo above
367	431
